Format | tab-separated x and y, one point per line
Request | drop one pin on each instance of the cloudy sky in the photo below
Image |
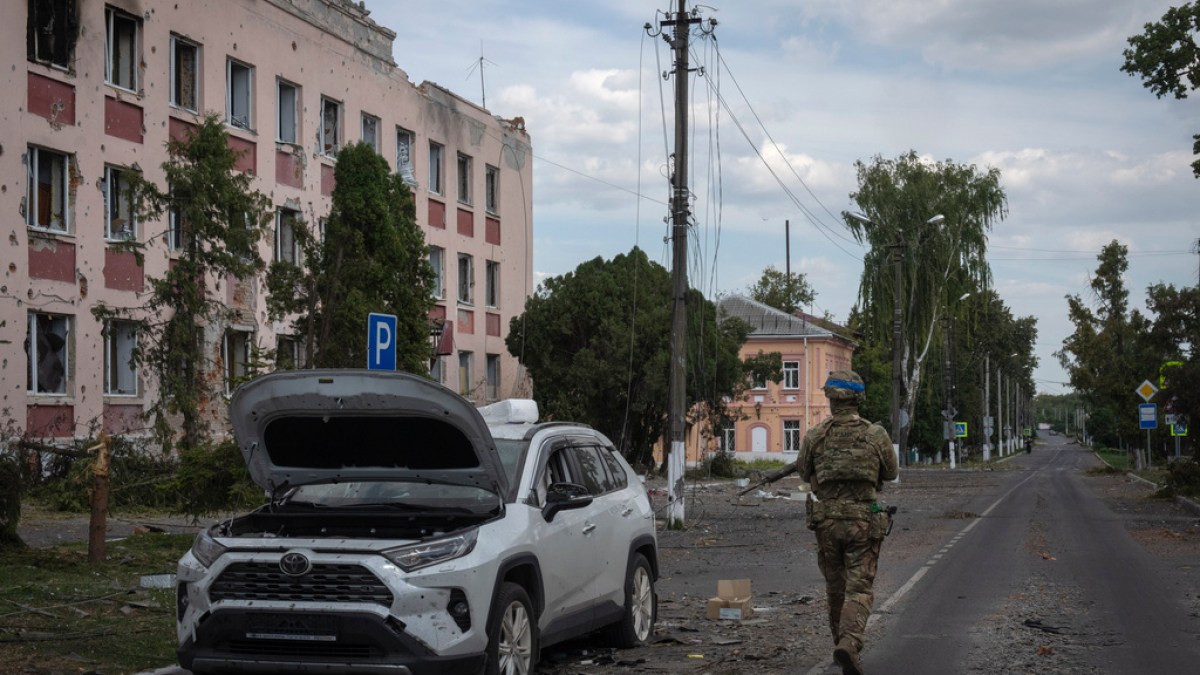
1031	87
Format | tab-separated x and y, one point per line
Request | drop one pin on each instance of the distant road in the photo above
1047	579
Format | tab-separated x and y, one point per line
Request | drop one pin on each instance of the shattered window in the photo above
238	88
46	346
331	125
466	278
437	260
120	222
121	48
236	353
287	98
120	371
435	168
492	188
493	377
185	73
287	352
51	31
492	285
404	164
47	201
286	248
370	131
464	179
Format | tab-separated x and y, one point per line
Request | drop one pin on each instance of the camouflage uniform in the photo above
846	459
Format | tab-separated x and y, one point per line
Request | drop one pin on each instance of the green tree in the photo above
1167	58
1174	338
784	292
373	259
223	220
939	262
596	343
1104	357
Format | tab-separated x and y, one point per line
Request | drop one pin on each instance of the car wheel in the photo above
512	637
637	621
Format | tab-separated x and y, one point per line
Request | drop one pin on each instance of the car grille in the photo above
296	649
263	581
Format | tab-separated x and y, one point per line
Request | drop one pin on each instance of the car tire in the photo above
641	606
512	634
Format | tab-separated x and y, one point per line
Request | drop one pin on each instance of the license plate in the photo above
296	627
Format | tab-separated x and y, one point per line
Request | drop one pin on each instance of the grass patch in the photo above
58	613
1119	460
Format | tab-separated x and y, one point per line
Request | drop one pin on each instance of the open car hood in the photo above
299	427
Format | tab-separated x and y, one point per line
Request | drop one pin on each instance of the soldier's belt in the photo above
838	509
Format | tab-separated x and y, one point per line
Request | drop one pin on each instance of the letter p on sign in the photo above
381	342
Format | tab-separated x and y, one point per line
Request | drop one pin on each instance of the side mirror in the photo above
565	496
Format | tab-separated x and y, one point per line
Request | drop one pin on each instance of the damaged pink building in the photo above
102	86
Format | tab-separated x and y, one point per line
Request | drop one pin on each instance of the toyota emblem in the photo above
295	564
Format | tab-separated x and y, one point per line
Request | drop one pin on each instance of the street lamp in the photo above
897	249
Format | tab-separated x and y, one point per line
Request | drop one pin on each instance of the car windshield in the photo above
399	495
511	453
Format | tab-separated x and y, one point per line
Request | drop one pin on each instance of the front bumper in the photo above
235	640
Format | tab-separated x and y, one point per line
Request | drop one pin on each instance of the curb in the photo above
1185	502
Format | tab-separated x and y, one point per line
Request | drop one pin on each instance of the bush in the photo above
136	474
1183	479
10	502
211	479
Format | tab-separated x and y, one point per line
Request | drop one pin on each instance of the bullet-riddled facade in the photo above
96	90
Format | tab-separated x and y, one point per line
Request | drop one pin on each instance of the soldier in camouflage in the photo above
846	459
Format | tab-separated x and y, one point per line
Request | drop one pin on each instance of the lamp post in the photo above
897	317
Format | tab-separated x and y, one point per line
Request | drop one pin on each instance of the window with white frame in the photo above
48	199
120	221
466	278
493	377
437	260
492	284
121	48
791	374
322	225
331	127
404	160
286	248
287	104
120	370
236	353
435	168
491	187
185	74
48	352
239	88
51	31
287	352
791	435
727	436
464	373
464	179
175	229
370	131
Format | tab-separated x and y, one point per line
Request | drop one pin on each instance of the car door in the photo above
610	512
567	547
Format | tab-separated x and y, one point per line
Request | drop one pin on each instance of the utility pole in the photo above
947	393
681	23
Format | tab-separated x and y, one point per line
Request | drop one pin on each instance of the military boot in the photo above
847	657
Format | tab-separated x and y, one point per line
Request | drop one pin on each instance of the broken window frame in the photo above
465	359
239	94
41	160
287	107
37	325
235	354
120	367
287	352
491	188
185	90
436	153
791	374
331	127
466	280
492	390
118	206
491	287
437	261
51	32
404	155
370	131
437	369
122	48
464	178
287	249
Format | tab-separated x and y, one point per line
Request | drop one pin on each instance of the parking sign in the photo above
381	342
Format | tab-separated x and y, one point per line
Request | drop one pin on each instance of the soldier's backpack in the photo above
846	453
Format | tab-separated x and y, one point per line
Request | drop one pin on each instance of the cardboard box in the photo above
732	600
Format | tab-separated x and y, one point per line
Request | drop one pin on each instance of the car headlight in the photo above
426	553
206	549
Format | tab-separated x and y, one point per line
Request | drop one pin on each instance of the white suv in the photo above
409	532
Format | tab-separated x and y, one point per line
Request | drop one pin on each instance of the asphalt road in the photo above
1047	555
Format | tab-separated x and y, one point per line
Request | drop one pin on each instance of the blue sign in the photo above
1148	416
381	342
960	429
